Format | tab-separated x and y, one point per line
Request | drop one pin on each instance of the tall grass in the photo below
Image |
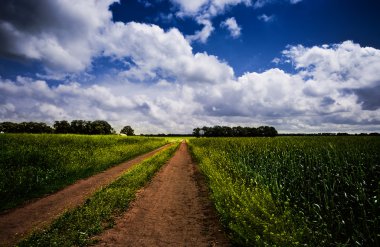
289	191
32	165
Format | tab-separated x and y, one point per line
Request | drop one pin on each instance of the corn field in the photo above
295	191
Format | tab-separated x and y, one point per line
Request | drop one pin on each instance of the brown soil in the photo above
19	222
173	210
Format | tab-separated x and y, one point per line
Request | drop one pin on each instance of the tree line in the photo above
97	127
225	131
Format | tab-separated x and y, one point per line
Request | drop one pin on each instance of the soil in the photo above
17	223
173	210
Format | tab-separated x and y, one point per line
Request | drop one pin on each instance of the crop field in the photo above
294	191
33	165
75	227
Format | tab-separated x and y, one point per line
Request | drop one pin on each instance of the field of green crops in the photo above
295	191
32	165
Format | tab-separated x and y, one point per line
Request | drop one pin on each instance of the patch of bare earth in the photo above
173	210
17	223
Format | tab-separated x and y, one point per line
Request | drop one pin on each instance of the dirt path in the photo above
173	210
18	222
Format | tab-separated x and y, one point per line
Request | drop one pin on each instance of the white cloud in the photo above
158	54
203	11
327	93
349	63
276	60
262	3
190	7
206	8
334	88
232	26
266	18
68	35
64	37
203	34
295	1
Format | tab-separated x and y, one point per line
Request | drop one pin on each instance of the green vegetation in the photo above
97	127
127	130
238	131
34	165
75	227
290	191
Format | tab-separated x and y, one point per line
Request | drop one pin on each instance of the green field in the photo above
77	226
282	191
32	165
295	191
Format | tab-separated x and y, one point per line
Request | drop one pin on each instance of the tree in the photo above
196	132
25	127
128	131
100	127
9	127
62	127
235	131
79	127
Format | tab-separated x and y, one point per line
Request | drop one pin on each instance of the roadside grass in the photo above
246	209
77	227
32	165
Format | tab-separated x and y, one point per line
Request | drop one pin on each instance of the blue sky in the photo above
172	65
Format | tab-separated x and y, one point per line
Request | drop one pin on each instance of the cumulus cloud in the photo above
206	8
156	108
190	7
158	54
344	62
203	34
334	89
232	26
203	11
62	34
66	35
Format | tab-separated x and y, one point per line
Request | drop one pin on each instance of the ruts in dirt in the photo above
173	210
17	223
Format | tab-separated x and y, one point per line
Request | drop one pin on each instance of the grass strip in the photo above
77	226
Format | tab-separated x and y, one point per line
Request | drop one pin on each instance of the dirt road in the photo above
173	210
18	222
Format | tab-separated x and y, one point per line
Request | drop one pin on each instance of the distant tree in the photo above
34	127
238	131
97	127
100	127
197	132
62	127
127	130
342	134
79	127
374	134
25	127
9	127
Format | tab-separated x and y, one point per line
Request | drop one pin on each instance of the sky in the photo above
168	66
